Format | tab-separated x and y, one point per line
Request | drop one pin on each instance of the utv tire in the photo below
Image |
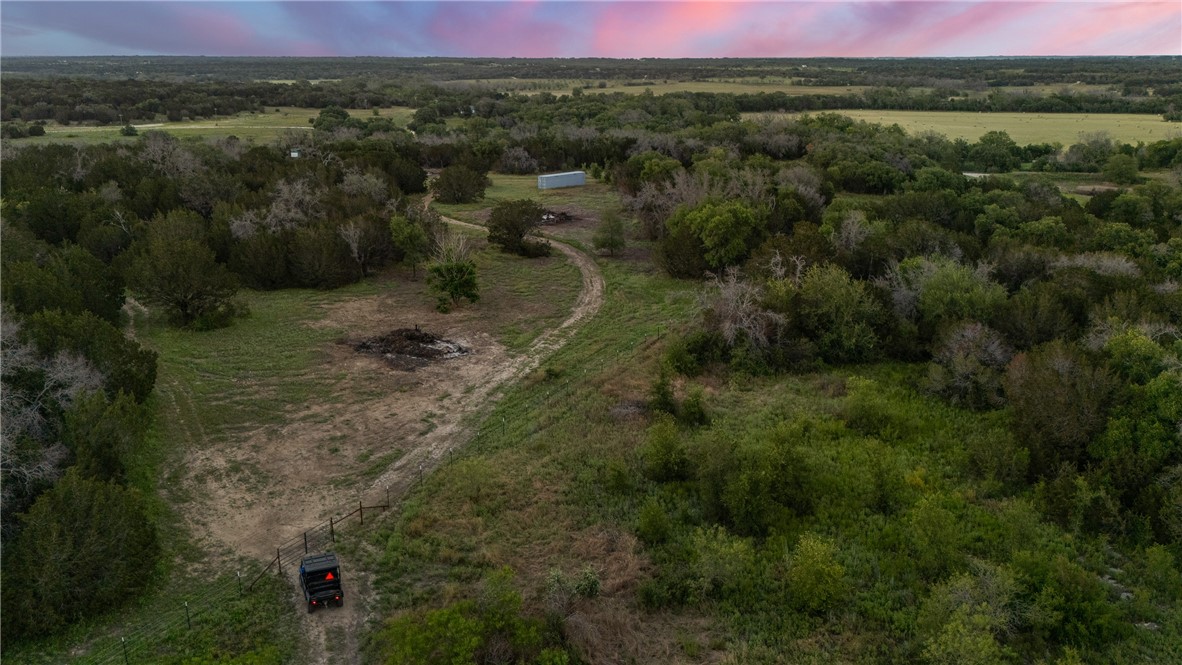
311	608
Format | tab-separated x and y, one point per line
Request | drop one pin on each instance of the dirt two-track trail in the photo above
288	492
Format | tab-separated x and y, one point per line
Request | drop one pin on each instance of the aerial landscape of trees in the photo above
926	405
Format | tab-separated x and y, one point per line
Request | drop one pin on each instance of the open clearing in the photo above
1024	128
281	422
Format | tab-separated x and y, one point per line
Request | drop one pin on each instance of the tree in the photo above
1059	402
410	239
369	242
967	366
609	236
175	268
460	184
87	546
1121	169
513	226
838	314
728	231
452	274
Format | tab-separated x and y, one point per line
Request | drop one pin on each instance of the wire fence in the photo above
147	641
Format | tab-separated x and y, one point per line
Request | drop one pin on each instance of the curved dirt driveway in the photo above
454	433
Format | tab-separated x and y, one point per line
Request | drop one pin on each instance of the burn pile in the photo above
410	348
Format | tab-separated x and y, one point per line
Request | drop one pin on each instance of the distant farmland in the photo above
1024	128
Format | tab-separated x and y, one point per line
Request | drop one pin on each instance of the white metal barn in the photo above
568	179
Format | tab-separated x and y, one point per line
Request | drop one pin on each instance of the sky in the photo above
605	28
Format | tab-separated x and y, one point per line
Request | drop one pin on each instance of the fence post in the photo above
240	583
123	641
387	497
420	474
188	619
279	560
332	529
305	542
361	509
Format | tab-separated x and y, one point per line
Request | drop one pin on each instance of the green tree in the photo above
728	231
513	226
838	314
460	184
86	546
175	269
609	236
410	240
1059	401
1122	169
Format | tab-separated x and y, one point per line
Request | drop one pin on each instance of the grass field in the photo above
659	86
259	127
1024	128
595	196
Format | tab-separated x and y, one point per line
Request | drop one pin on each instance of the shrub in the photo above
653	525
661	395
663	454
609	236
815	579
838	314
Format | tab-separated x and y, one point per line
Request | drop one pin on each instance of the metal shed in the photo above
568	179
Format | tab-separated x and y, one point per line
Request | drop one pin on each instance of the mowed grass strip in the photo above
1023	128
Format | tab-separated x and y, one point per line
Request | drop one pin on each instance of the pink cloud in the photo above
662	29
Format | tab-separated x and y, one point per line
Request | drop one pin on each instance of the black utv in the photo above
320	578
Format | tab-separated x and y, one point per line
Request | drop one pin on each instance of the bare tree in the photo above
66	377
733	306
293	202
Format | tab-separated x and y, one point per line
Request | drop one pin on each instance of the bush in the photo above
816	581
653	525
838	315
609	236
661	395
663	454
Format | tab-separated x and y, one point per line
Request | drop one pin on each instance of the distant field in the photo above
660	86
260	127
1024	128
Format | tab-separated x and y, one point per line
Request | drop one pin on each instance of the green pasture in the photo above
594	197
1024	128
260	127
